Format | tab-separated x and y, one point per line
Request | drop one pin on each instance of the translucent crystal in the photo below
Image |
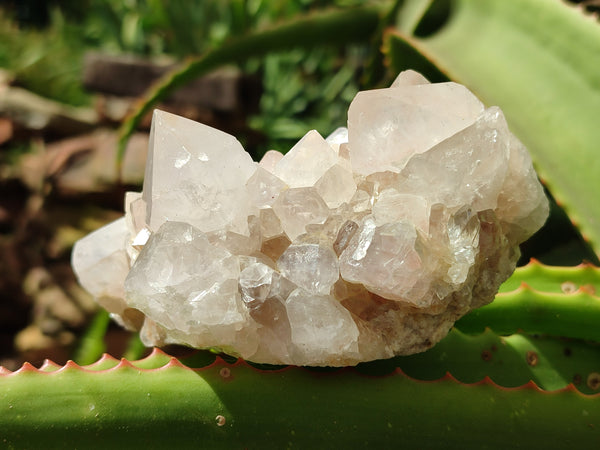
337	138
270	160
367	244
255	283
386	127
468	168
322	329
408	78
313	267
189	179
135	209
100	261
384	260
274	241
306	161
299	207
392	206
208	300
263	188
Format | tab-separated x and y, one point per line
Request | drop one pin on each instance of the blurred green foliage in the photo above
48	60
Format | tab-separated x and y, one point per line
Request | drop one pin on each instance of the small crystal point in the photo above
384	260
364	245
263	188
338	137
336	186
409	78
270	160
306	162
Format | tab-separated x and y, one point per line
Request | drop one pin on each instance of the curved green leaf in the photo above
554	279
558	301
333	27
510	361
539	61
570	315
236	406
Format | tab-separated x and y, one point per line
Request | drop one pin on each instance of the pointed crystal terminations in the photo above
364	245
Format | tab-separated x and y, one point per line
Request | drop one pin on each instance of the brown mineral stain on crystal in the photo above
359	301
346	232
274	247
133	317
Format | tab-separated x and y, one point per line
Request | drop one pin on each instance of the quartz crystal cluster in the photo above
363	245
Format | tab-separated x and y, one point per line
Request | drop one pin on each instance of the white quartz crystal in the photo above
195	174
386	127
367	244
306	161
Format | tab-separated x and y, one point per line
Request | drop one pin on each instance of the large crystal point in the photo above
195	174
366	244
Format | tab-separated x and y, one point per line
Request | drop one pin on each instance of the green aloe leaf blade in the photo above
554	279
509	361
555	301
540	62
225	406
573	316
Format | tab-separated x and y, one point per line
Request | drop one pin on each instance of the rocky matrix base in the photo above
364	245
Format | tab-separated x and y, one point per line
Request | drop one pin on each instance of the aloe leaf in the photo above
510	361
559	301
236	406
574	315
539	61
554	279
335	27
412	13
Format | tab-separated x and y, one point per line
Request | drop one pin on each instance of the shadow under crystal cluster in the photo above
364	245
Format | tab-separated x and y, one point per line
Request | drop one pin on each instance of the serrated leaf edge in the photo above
219	364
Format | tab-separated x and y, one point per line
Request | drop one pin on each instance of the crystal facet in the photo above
367	244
